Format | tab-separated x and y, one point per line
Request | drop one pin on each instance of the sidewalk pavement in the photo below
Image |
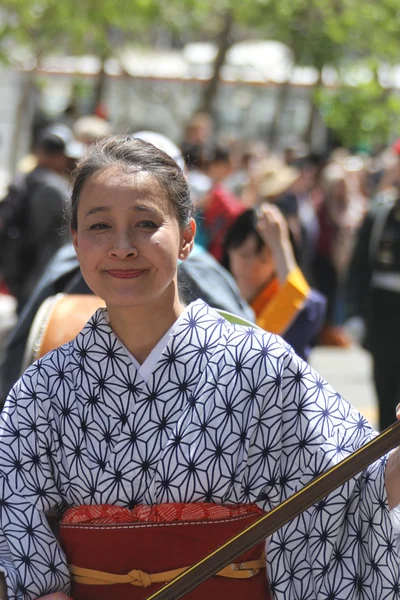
349	371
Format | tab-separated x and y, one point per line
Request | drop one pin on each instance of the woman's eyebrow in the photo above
144	208
137	207
97	209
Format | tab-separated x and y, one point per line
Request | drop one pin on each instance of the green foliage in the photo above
339	33
73	26
361	115
319	33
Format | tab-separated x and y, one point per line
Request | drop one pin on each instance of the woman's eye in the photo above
98	226
148	224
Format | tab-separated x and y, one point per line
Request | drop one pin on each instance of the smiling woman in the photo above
130	225
158	414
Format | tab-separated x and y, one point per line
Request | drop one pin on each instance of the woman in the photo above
154	403
339	216
258	252
218	208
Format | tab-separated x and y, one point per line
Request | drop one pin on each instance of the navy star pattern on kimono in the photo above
230	414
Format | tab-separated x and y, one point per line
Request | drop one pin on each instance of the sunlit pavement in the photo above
349	372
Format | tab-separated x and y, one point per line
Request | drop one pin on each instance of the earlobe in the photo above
186	250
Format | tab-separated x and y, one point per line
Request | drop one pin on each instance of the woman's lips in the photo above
125	273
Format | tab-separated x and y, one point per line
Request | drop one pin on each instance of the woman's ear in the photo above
74	236
188	240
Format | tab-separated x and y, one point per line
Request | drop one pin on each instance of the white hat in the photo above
163	143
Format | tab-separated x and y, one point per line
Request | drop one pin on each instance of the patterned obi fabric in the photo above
112	550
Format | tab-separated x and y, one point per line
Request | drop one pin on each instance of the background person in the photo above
372	298
258	252
32	214
90	128
218	208
340	215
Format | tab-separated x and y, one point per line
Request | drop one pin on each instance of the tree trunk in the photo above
224	43
283	93
100	84
308	132
28	81
296	45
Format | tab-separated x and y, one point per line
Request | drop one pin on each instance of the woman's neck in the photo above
141	328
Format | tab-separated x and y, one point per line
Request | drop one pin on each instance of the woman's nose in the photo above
123	247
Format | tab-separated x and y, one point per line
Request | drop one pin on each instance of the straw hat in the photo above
90	128
275	178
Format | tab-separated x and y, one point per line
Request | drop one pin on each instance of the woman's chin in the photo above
143	297
127	301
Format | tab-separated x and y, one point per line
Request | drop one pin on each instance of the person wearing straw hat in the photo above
274	183
276	179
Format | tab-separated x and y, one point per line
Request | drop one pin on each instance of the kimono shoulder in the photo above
54	372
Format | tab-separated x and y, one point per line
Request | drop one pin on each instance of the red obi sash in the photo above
114	552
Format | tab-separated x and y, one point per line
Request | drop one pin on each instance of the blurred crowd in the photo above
309	244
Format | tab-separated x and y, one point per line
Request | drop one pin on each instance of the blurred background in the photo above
290	102
318	73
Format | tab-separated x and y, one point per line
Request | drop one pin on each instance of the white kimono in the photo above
230	414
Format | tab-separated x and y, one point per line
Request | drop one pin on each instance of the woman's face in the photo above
128	239
251	267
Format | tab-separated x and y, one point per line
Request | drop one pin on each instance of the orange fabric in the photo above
159	513
265	296
66	319
277	306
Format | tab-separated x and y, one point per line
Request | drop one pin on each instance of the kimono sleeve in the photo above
30	556
343	547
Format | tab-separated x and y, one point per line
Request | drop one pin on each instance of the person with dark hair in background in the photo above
258	252
197	138
372	297
32	213
217	210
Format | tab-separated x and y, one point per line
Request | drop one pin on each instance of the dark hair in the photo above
50	143
133	155
241	229
194	155
218	154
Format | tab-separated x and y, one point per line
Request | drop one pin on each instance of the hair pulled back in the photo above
132	155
